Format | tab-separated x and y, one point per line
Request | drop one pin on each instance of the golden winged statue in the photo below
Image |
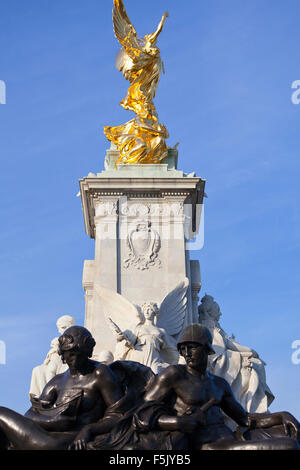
143	139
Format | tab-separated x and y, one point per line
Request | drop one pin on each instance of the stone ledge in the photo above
166	169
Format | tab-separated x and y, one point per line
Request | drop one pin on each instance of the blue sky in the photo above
226	97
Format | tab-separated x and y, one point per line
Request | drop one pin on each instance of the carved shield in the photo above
140	241
144	245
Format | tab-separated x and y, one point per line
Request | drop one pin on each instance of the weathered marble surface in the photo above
141	217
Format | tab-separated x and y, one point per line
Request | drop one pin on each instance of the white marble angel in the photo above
147	335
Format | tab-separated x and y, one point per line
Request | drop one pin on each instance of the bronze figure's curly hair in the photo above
76	338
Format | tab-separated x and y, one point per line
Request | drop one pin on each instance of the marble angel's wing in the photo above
123	313
125	32
173	309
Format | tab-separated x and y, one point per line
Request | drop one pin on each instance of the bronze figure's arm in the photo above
111	393
268	420
231	406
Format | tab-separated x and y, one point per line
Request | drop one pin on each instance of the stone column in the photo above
88	286
195	287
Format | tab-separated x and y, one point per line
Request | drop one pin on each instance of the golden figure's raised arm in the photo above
160	27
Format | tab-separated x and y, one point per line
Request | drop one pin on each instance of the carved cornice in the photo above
96	190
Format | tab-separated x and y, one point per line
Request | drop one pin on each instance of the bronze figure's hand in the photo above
291	425
197	414
188	424
81	440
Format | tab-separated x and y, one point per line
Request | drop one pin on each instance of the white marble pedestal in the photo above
141	217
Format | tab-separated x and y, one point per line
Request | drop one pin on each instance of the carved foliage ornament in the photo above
143	244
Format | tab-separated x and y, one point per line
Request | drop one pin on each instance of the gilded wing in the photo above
173	309
125	31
